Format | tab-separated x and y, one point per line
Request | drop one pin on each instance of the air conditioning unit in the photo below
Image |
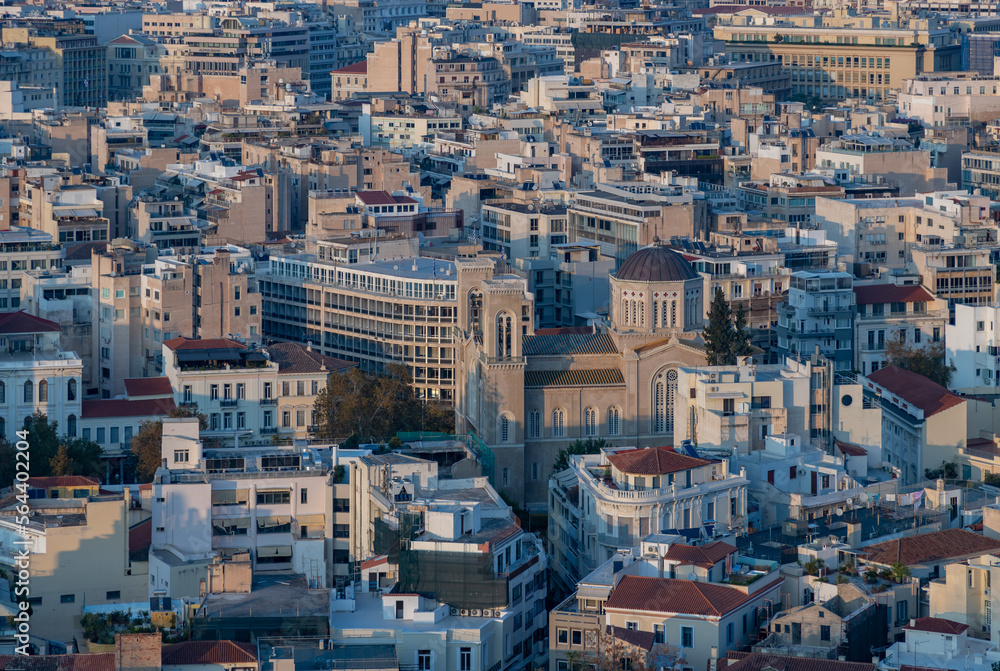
464	612
712	377
802	471
454	611
476	612
986	591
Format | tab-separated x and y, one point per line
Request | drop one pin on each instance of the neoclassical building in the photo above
526	394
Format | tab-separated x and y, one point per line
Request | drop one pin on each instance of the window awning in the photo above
229	552
311	519
239	523
275	551
275	490
222	497
273	521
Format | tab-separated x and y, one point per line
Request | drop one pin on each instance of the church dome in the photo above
656	264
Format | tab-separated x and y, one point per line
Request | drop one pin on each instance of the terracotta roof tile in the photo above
572	343
181	343
929	547
759	661
643	640
915	389
360	68
295	358
654	461
140	537
117	407
705	556
63	481
566	330
937	625
867	294
99	661
22	322
668	595
851	450
601	377
148	386
376	197
208	652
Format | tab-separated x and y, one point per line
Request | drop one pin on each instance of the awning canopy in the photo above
311	519
274	551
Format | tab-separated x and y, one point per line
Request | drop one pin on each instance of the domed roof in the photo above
656	264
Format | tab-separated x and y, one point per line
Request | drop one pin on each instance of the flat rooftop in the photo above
272	595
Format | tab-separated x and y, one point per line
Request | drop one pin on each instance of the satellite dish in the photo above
849	502
692	576
840	511
863	497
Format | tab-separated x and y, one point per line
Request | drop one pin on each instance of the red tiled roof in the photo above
22	322
97	661
705	556
916	389
376	197
208	652
375	561
180	342
929	547
653	461
668	595
850	449
759	661
148	386
293	358
402	200
63	481
938	625
566	330
643	640
140	536
118	407
360	68
890	293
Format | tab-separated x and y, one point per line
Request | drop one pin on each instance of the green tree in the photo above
146	443
899	571
588	446
741	334
718	333
61	463
928	360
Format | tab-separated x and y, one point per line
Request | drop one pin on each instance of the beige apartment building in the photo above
67	212
94	531
402	64
143	299
842	55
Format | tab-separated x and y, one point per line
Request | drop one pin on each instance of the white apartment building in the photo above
625	494
950	99
37	375
972	345
248	393
278	504
372	312
22	250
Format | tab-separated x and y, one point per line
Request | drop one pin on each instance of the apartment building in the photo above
82	60
37	375
788	198
523	230
842	55
23	250
131	60
112	422
96	530
972	347
819	315
884	232
981	172
649	491
950	100
248	394
923	424
622	221
567	285
66	212
350	81
873	157
960	273
402	128
887	310
963	596
240	39
468	81
276	504
374	313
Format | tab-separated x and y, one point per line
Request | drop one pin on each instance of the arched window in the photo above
614	420
659	406
558	423
624	318
590	422
505	428
642	313
671	395
505	334
71	390
673	314
43	391
635	316
29	392
71	426
534	424
476	311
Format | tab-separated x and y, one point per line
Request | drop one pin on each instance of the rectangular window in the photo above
824	632
272	496
67	598
465	659
112	595
303	496
687	637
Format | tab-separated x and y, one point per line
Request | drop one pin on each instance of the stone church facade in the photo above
527	394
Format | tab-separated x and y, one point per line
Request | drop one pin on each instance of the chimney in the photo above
713	662
137	652
659	565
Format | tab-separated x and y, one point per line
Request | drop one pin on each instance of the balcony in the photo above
269	401
228	403
268	430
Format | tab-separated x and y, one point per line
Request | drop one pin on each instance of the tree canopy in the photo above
51	454
928	360
376	407
726	335
588	446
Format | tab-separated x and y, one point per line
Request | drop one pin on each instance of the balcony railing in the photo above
269	401
228	403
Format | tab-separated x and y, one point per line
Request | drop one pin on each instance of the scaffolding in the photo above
463	580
